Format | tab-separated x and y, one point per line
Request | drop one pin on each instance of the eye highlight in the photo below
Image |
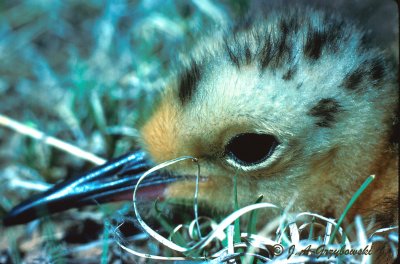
249	149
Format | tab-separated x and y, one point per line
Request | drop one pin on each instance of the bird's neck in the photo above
379	202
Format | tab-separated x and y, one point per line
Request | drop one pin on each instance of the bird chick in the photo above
297	105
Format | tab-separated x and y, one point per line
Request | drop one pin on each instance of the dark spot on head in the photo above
377	70
354	79
335	33
275	52
283	50
189	81
334	26
248	54
316	40
325	110
289	24
365	41
284	26
231	54
266	54
289	74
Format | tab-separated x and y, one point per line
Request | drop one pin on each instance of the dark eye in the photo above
250	148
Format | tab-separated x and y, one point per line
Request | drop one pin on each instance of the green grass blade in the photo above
350	204
236	235
251	228
177	237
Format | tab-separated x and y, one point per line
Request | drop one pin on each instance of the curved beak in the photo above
113	181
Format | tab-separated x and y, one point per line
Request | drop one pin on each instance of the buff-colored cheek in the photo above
219	194
159	134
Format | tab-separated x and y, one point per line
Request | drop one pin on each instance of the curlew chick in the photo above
297	105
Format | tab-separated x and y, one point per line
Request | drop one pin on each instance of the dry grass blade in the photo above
51	141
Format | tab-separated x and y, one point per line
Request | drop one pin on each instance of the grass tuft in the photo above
291	231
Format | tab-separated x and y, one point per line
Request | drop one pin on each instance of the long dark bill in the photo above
106	183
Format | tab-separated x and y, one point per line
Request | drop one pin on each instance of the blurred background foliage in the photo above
82	71
86	72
